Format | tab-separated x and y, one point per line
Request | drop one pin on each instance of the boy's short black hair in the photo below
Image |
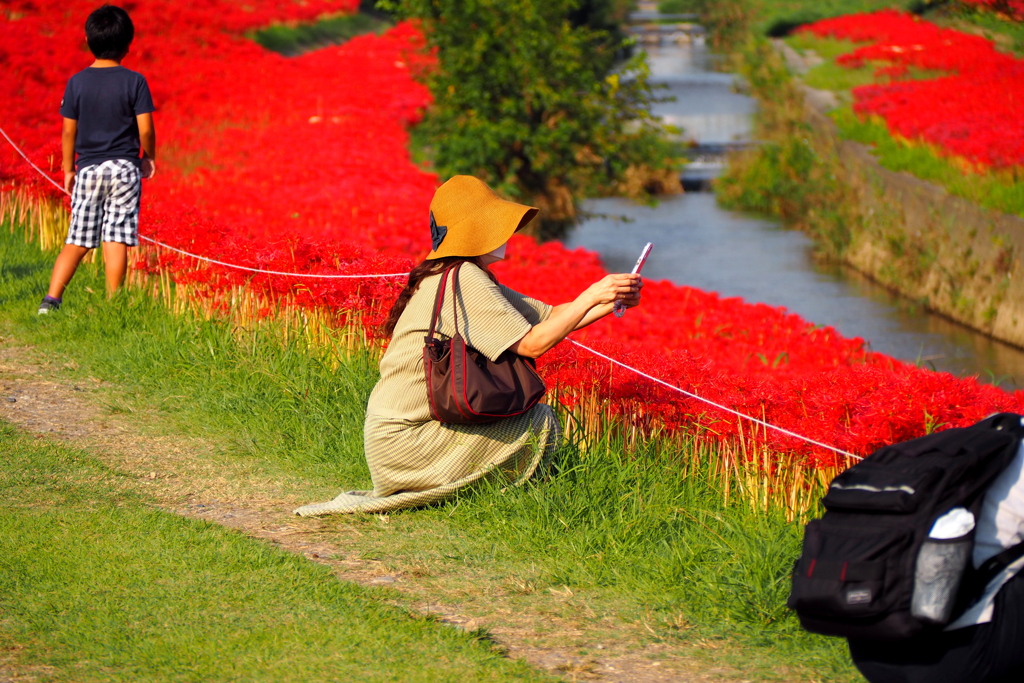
109	31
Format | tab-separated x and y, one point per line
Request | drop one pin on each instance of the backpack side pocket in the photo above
939	569
846	573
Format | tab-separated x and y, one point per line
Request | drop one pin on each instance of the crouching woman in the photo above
415	460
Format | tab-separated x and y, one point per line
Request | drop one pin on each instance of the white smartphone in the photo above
619	309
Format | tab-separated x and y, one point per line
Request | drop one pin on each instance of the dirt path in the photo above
186	476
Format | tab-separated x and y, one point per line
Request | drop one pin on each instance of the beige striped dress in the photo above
415	460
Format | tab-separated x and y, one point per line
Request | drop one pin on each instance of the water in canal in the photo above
701	245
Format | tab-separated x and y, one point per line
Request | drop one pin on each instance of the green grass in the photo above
778	17
1001	192
291	40
831	76
826	48
1007	35
98	585
998	190
642	536
679	6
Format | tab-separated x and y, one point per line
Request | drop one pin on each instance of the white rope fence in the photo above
766	425
271	272
727	409
204	258
41	171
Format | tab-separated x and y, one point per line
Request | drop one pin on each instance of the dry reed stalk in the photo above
336	334
46	219
44	223
744	467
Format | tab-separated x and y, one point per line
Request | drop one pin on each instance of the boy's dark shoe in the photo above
49	304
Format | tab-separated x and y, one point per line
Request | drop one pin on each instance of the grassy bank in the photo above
778	17
1007	35
998	190
644	537
794	173
732	23
775	180
291	40
95	584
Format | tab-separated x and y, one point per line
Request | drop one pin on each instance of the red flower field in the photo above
301	165
972	109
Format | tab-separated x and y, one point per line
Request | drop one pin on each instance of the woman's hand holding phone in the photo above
619	309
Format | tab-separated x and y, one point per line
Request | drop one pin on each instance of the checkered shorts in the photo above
105	204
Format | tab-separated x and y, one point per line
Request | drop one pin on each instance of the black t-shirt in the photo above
105	102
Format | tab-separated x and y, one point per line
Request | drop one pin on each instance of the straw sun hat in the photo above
467	218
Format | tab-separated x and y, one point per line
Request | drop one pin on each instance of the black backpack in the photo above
869	569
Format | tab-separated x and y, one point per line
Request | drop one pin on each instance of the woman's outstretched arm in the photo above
593	304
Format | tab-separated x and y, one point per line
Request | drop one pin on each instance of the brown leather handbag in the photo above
466	387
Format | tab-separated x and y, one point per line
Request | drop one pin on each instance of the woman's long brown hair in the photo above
417	275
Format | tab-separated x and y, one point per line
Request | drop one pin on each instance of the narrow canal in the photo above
699	244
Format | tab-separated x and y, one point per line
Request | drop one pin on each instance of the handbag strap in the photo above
439	298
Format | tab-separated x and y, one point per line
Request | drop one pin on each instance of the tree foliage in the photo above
536	97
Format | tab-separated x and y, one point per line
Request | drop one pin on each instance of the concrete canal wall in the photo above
958	259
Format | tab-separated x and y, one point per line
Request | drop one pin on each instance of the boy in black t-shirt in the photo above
108	118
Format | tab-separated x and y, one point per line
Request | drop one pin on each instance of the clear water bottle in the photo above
940	566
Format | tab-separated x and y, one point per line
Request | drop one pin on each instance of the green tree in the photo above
532	96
